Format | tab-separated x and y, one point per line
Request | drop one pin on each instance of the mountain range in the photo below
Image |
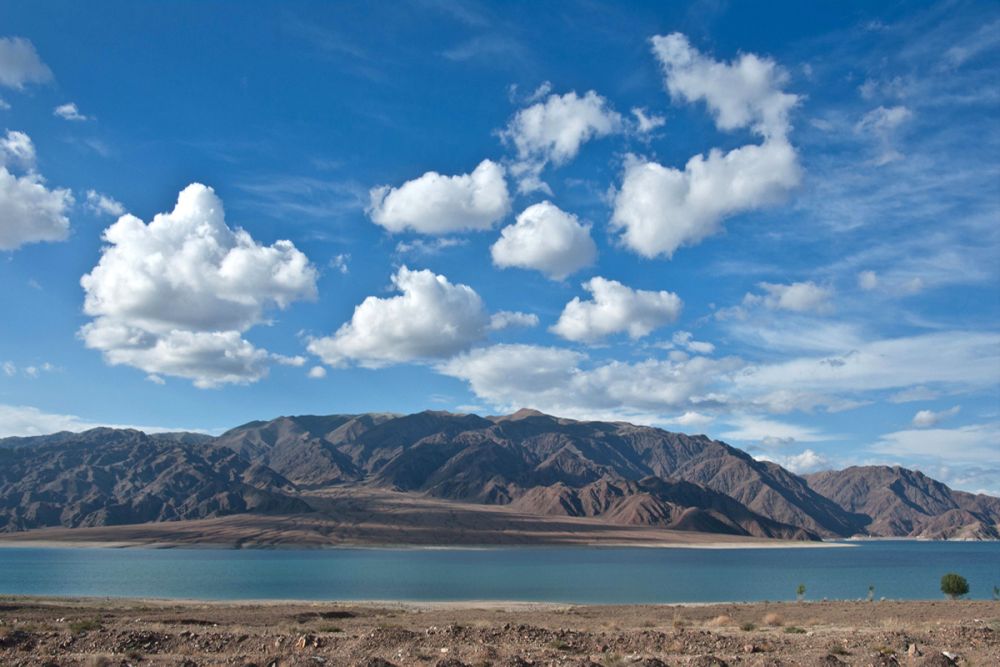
529	463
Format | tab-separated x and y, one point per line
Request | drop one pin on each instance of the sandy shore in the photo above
41	539
69	632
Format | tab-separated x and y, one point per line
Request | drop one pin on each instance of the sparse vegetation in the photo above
996	593
773	620
329	628
613	660
954	585
719	621
871	592
536	635
84	625
800	592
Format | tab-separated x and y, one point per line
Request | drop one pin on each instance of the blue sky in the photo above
776	224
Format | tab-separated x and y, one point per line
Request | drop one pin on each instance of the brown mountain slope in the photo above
537	464
652	501
112	477
898	502
494	460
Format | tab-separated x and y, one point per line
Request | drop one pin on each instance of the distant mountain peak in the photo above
523	413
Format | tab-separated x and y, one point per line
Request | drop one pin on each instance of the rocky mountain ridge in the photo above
902	502
533	463
113	477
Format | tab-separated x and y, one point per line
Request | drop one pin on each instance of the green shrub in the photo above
794	630
954	585
748	627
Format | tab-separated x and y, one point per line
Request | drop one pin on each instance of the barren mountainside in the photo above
109	477
496	460
529	462
901	502
674	504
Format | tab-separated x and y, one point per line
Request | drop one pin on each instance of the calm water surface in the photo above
898	569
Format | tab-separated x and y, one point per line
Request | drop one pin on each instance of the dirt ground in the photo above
99	632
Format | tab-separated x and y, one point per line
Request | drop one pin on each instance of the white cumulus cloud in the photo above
505	319
800	297
744	93
438	204
104	204
430	318
173	297
928	418
30	212
69	111
20	63
564	382
659	209
646	122
546	239
552	132
615	308
804	462
686	340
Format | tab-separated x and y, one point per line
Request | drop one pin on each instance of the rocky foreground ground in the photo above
107	632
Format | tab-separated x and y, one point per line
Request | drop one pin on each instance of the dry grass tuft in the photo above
720	621
773	620
893	623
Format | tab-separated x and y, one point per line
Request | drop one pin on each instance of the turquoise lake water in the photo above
897	569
